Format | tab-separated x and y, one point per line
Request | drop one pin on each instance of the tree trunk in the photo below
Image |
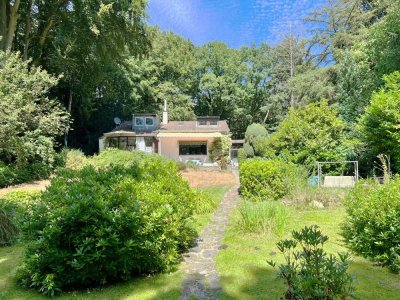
291	69
3	24
69	111
48	27
27	30
12	24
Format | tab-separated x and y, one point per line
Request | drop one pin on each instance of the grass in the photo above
161	286
215	194
246	275
261	217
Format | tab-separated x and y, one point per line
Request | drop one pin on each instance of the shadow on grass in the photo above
260	283
371	283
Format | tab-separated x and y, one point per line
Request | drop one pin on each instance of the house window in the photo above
148	141
123	143
139	121
113	142
194	148
214	122
149	121
131	143
202	123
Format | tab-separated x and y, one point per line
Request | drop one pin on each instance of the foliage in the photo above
310	134
310	273
354	86
87	42
12	207
247	151
265	179
205	202
263	216
30	121
219	150
15	174
115	157
92	227
254	133
380	124
9	229
372	226
75	159
382	39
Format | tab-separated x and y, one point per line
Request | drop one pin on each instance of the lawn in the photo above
246	275
162	286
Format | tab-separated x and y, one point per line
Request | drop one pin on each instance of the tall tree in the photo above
84	41
8	22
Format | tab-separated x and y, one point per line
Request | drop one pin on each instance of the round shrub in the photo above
265	179
372	228
96	226
74	159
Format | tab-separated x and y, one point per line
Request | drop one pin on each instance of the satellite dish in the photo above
117	121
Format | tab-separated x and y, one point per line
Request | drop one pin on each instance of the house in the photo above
177	140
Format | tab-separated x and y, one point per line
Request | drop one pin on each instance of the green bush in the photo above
265	216
254	133
219	151
116	157
379	125
96	226
9	229
74	159
248	150
12	206
13	174
372	227
309	272
309	134
31	121
7	175
265	179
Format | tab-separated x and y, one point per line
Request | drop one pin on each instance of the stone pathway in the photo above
202	278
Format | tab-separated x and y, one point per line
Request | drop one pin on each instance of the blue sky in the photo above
236	22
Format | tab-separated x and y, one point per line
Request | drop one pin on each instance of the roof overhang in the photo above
190	134
128	133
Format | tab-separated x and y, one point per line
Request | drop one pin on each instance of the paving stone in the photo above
202	281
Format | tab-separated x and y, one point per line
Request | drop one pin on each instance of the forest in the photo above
95	60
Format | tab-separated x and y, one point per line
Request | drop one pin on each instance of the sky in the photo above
235	22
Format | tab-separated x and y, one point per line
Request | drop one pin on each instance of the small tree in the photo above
309	272
309	134
29	120
219	151
254	133
379	126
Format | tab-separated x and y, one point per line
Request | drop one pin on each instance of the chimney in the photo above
165	113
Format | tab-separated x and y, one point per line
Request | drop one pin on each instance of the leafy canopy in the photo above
30	121
310	134
380	124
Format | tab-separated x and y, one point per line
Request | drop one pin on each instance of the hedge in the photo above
265	179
